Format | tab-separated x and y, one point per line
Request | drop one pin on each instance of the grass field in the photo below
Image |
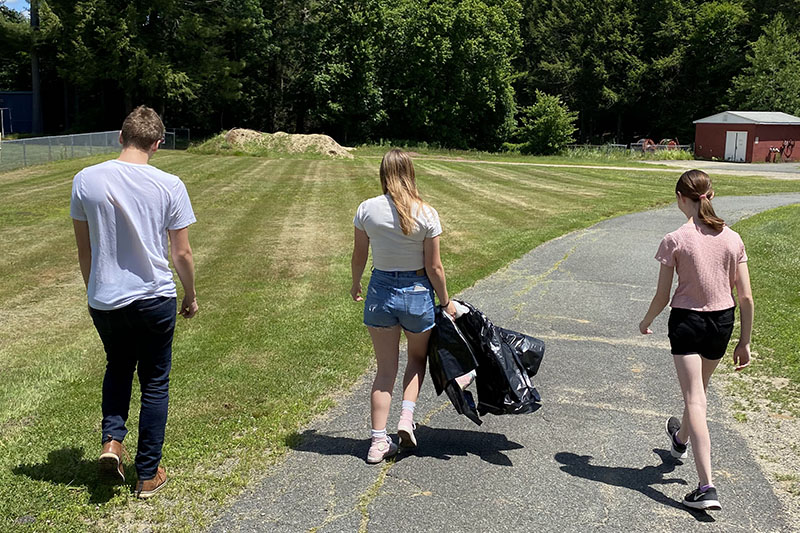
277	337
580	156
774	260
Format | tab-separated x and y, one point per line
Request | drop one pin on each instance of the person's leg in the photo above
155	361
412	381
416	365
708	368
690	369
386	342
115	334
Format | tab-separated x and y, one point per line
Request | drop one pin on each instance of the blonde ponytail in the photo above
399	181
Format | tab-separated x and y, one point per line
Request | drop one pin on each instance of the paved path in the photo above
786	171
593	458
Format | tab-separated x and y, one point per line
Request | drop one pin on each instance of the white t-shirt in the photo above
392	250
129	208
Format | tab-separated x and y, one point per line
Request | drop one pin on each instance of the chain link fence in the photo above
36	150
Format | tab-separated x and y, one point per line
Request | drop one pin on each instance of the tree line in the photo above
459	73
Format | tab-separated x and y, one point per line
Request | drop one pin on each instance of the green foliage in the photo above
622	155
774	259
587	51
440	71
15	63
547	126
771	81
435	71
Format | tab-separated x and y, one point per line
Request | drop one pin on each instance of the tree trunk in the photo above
36	84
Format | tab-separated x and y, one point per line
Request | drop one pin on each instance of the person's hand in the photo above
355	292
188	307
644	328
450	309
741	356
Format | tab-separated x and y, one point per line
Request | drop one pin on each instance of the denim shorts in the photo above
404	298
702	332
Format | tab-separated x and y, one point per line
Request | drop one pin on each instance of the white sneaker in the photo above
405	432
380	450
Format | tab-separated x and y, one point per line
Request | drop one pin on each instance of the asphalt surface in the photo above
788	171
595	457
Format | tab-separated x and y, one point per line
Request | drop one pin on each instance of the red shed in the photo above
747	136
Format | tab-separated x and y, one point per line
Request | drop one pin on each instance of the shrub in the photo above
547	125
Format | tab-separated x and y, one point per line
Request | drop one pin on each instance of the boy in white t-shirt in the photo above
126	213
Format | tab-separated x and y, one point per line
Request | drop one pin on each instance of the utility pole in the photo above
36	85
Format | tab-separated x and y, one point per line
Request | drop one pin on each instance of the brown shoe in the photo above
110	462
147	487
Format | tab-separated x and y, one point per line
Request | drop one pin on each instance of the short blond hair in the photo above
142	128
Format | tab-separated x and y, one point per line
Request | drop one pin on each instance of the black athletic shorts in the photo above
702	332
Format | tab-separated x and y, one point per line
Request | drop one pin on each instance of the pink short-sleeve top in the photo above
706	261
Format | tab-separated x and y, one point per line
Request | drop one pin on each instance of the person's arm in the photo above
660	300
358	262
81	228
741	354
435	272
184	265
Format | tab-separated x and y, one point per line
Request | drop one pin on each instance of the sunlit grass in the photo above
277	333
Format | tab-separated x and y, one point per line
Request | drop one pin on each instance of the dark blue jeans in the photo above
138	337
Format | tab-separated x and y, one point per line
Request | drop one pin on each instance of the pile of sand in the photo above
286	142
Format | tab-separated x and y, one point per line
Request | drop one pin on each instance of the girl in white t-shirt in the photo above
710	261
404	234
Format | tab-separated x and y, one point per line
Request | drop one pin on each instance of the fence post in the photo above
90	143
72	145
24	154
49	149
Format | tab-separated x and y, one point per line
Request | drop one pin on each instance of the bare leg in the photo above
415	368
693	374
708	369
386	342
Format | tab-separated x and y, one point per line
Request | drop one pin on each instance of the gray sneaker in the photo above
678	450
703	500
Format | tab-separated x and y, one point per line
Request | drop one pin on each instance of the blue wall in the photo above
21	104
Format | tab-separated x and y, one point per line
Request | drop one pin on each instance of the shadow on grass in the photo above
638	479
68	467
433	442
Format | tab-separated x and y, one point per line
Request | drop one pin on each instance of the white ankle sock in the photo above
379	434
408	405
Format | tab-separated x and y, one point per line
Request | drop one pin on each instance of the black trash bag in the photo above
451	356
503	359
530	350
502	380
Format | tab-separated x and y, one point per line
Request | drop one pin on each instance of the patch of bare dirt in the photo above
771	428
288	142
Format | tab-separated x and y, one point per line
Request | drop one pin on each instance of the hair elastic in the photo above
702	196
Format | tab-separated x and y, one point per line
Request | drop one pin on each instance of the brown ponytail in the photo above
398	180
696	185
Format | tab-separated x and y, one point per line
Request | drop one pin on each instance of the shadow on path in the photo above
638	479
67	466
439	443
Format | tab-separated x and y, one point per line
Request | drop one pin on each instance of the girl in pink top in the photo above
710	260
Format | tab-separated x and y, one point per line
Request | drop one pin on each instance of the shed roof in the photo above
751	117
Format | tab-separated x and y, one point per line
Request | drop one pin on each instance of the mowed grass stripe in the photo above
557	183
277	335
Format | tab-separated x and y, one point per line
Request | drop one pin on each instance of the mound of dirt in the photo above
286	142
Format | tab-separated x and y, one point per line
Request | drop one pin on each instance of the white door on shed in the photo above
735	145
